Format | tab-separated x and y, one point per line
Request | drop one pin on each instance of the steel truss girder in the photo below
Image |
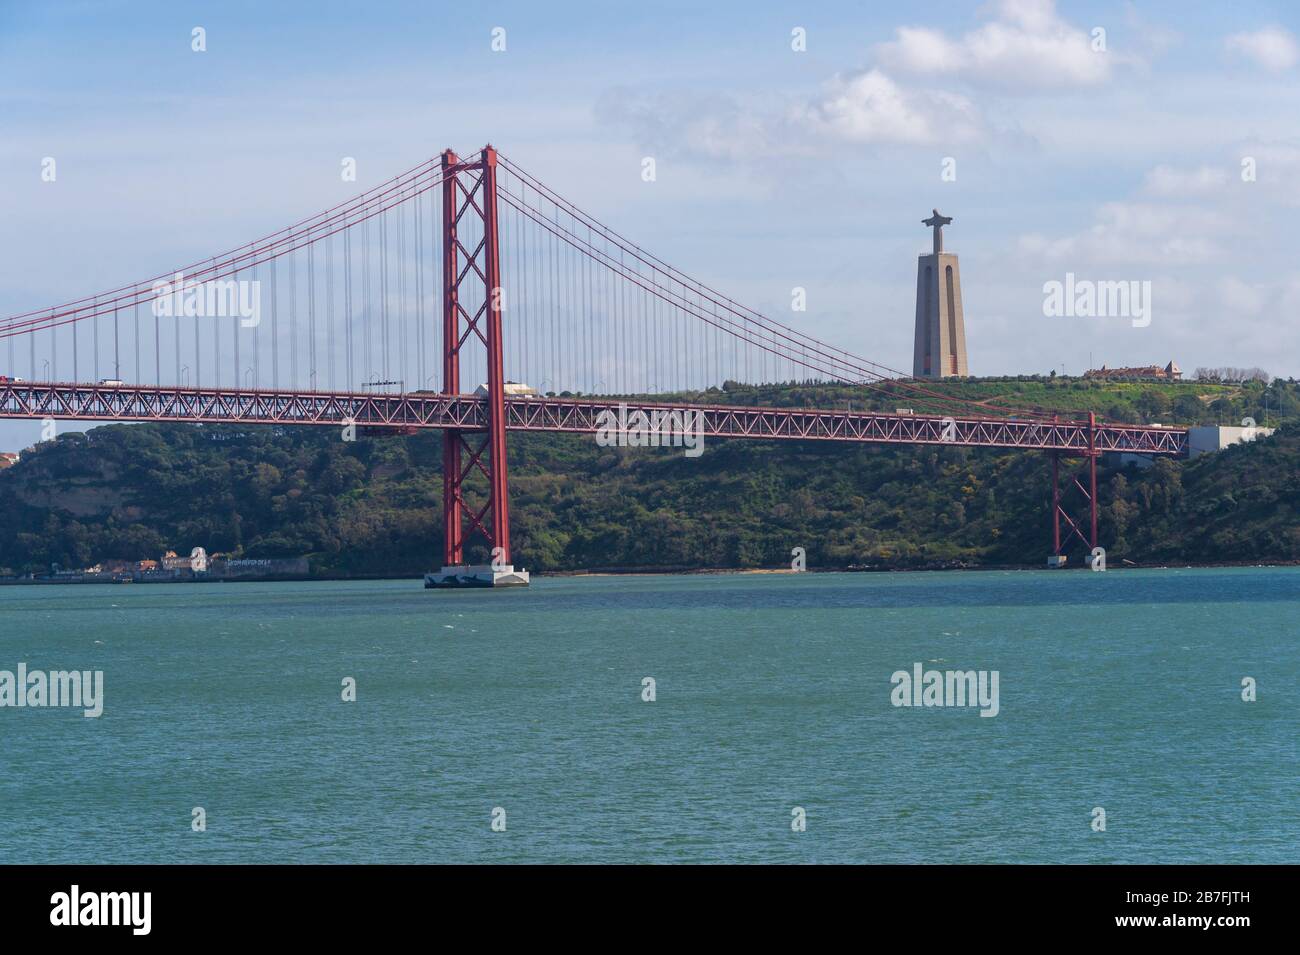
578	415
801	424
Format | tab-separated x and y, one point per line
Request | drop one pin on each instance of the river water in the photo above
773	702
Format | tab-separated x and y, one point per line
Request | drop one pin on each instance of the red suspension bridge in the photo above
388	309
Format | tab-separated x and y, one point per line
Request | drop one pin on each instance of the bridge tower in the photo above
472	307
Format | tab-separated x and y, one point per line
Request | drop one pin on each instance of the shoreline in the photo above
712	571
650	572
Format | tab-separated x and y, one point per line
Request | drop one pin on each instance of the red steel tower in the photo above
473	302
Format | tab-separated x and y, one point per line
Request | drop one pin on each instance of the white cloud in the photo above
1274	154
1240	297
1272	48
1172	181
1027	47
1277	170
1152	39
863	108
1206	241
869	107
1135	233
710	126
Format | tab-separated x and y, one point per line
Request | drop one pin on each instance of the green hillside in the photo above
373	506
1129	402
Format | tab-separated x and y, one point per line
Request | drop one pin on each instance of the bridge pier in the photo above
1058	558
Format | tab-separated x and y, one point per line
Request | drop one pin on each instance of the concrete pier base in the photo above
476	575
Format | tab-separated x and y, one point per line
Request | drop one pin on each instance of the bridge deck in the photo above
576	415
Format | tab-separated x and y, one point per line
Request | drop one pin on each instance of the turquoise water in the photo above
1119	690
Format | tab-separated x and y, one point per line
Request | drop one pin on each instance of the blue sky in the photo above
776	168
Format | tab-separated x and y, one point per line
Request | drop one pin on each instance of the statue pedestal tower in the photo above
940	347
